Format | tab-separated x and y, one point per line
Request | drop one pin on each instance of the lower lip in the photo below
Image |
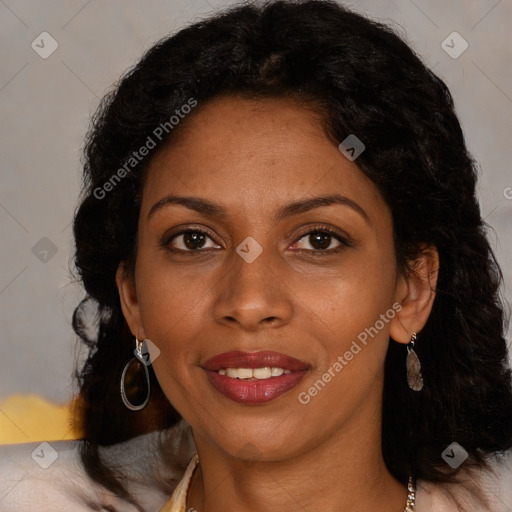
256	391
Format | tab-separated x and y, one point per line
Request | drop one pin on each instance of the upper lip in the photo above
237	359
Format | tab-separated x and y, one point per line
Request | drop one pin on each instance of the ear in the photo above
129	303
415	292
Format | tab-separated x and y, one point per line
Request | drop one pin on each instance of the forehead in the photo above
254	152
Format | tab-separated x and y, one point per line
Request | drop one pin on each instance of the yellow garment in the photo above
178	501
30	418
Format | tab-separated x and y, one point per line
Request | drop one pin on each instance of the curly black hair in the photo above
359	77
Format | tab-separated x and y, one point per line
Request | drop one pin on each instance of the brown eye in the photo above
320	240
191	240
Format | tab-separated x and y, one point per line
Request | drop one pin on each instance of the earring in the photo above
138	359
413	365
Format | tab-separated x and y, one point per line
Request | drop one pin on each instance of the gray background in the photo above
45	105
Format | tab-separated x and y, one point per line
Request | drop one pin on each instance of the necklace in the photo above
410	504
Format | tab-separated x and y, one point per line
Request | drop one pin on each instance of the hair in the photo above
359	77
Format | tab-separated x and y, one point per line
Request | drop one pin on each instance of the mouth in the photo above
254	378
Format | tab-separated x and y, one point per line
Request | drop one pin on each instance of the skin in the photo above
253	157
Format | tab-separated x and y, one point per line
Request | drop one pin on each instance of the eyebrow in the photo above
294	208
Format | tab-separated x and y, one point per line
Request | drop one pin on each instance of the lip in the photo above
238	359
254	391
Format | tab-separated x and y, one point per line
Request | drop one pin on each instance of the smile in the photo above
254	378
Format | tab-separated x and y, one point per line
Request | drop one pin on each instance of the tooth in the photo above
262	373
245	373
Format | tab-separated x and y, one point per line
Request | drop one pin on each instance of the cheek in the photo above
172	313
173	318
354	315
354	338
171	304
353	297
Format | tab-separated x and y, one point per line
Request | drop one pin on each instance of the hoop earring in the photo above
138	359
413	365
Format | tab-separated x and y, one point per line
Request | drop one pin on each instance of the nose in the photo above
254	295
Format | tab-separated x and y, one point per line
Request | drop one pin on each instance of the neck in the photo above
344	472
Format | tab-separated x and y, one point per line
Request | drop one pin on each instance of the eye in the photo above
190	240
320	240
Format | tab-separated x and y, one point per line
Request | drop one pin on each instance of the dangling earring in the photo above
413	365
138	359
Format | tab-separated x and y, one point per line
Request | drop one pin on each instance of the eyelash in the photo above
344	240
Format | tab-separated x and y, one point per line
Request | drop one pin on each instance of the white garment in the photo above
64	486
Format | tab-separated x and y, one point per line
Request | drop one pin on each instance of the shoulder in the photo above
496	487
49	476
42	476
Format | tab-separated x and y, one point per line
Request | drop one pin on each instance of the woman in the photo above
279	218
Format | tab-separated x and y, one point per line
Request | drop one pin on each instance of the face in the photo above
254	274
